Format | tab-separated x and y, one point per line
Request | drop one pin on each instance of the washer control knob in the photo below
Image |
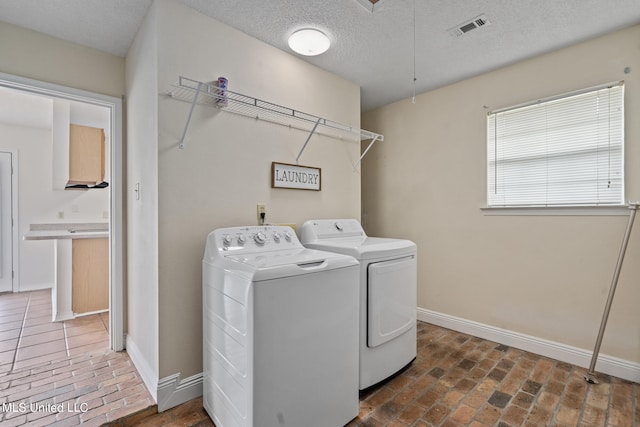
260	238
339	226
276	237
241	239
226	240
287	236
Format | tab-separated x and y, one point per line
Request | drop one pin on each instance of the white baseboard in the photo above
35	287
169	391
147	373
576	356
173	391
65	315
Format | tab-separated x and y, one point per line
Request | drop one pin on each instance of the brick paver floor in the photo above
62	373
460	380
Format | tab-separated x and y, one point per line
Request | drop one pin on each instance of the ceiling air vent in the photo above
464	28
370	5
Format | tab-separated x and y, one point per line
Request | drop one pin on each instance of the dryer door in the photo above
391	299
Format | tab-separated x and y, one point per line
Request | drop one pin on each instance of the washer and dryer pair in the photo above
282	323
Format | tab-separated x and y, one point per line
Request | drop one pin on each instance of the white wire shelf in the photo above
199	93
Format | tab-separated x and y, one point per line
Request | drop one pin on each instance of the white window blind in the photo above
566	151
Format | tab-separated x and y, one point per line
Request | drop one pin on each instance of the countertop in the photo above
84	230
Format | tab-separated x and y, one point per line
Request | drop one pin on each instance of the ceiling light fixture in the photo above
309	42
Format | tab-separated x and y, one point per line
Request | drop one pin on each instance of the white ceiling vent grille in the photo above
473	24
370	5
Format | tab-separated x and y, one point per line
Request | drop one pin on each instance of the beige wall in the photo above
545	276
223	172
33	55
142	206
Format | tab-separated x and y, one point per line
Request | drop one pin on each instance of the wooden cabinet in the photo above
86	155
90	275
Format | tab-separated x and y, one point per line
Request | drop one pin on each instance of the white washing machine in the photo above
280	331
388	286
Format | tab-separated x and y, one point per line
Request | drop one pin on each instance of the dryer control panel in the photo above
320	229
255	238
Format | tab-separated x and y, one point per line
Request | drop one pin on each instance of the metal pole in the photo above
590	375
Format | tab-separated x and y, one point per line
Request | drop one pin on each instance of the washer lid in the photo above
366	247
286	263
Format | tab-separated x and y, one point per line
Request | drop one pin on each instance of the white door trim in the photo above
116	222
15	239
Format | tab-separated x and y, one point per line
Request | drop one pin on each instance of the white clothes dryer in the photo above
388	286
280	331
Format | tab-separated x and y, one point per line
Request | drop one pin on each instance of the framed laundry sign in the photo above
284	175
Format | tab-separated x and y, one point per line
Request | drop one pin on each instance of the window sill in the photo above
557	210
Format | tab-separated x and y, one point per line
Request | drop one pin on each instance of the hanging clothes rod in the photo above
200	93
590	376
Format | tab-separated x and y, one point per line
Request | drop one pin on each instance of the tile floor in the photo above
62	373
460	380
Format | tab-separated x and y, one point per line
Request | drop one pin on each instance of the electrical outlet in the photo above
262	213
60	214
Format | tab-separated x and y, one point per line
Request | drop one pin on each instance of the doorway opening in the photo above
54	205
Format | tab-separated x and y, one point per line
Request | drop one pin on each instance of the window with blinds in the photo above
564	151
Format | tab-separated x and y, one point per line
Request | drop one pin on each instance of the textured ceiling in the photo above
372	44
107	25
